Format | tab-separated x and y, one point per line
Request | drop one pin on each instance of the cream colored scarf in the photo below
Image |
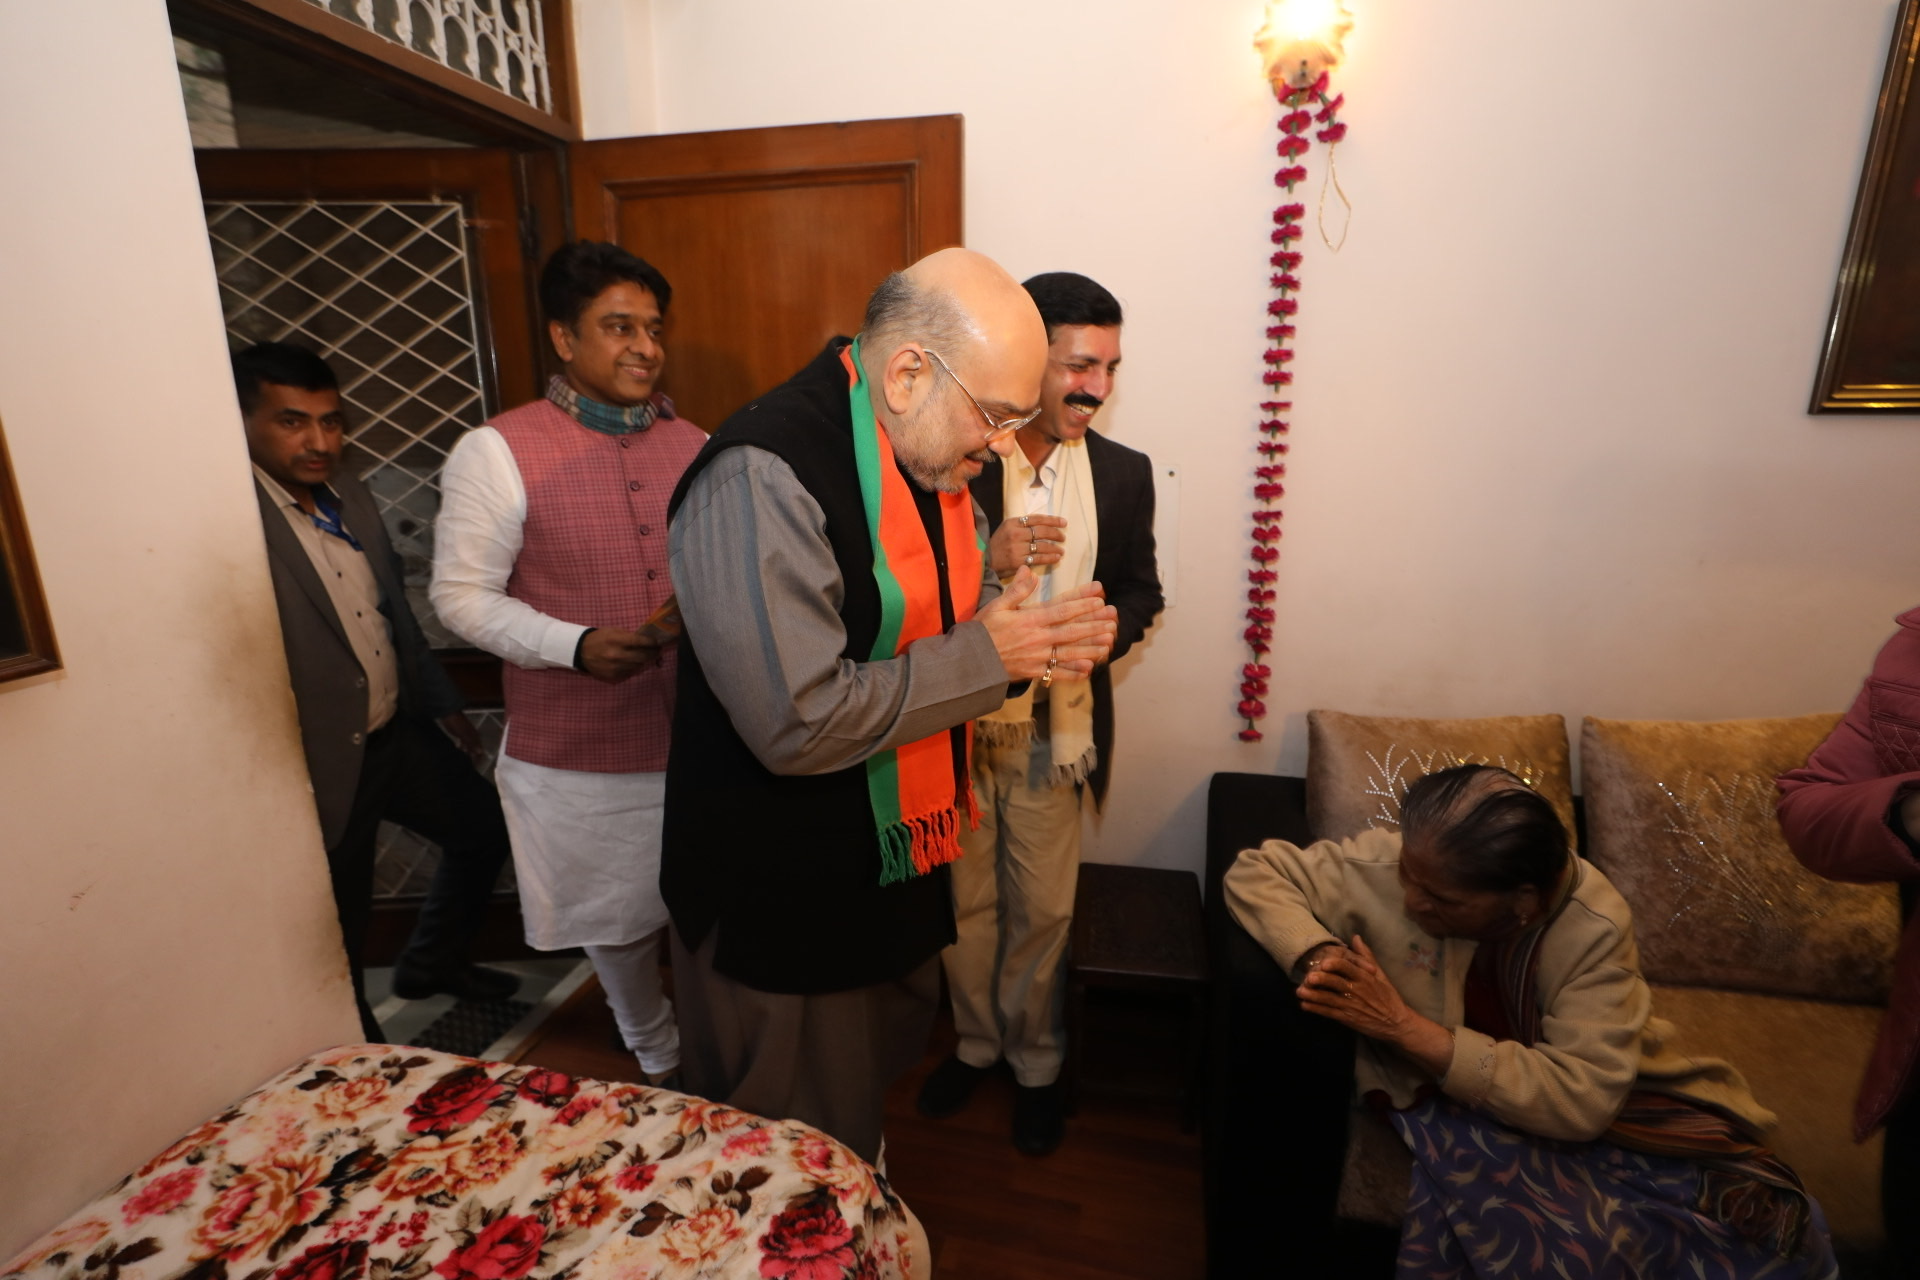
1069	703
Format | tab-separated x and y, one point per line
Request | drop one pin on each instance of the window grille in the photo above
383	290
500	43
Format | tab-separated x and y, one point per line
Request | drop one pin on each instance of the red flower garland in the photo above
1296	119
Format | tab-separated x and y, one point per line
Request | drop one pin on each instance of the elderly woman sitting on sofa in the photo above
1503	1022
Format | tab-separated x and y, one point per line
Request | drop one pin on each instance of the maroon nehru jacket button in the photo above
651	575
645	530
634	485
625	443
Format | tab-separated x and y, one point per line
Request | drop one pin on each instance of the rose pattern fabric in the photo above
808	1242
456	1101
372	1162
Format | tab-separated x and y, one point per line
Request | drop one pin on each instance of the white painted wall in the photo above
1550	450
611	36
167	940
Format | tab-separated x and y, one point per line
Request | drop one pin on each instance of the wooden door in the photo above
771	238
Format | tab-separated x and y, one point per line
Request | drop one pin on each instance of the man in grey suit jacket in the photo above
368	688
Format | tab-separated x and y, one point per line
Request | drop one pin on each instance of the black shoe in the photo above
948	1088
465	982
1039	1119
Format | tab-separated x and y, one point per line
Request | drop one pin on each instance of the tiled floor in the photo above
479	1029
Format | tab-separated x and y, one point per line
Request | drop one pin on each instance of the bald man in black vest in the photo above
841	629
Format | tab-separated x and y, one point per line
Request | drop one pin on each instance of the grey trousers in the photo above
826	1060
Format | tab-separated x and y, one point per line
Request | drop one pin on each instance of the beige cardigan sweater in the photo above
1598	1041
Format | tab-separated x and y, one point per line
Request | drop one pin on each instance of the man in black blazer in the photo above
375	706
1072	505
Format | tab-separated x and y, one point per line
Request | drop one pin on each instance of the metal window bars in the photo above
500	43
383	290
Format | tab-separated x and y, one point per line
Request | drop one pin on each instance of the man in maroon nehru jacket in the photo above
551	553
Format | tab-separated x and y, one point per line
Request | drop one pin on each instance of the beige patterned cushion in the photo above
1358	767
1680	817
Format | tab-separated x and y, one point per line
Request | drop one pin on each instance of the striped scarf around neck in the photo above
918	791
607	419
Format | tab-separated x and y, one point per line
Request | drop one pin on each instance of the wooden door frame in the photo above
299	28
916	160
538	141
798	149
20	584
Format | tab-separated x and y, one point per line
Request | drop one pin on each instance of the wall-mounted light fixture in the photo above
1301	40
1300	44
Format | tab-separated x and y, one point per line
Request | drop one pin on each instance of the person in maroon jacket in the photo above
1852	812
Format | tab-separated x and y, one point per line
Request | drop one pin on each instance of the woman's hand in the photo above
1316	956
1347	985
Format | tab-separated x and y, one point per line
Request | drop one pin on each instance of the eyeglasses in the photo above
995	429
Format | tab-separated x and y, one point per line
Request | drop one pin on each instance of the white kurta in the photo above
586	852
586	846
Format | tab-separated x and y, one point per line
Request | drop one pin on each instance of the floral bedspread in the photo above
375	1162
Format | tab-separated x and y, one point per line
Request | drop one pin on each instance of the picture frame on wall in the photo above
27	645
1871	359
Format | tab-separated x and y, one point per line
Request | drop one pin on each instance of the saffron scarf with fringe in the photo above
918	791
1742	1184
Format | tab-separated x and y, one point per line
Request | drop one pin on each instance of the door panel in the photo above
772	238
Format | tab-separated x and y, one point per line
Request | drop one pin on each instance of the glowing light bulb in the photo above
1301	39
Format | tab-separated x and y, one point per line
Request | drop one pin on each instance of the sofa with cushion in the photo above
1752	957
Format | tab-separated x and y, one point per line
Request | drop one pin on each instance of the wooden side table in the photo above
1137	928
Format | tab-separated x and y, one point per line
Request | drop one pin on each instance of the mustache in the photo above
1083	400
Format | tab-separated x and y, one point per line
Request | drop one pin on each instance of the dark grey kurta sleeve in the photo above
761	594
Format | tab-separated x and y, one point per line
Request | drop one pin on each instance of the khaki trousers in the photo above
1013	904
